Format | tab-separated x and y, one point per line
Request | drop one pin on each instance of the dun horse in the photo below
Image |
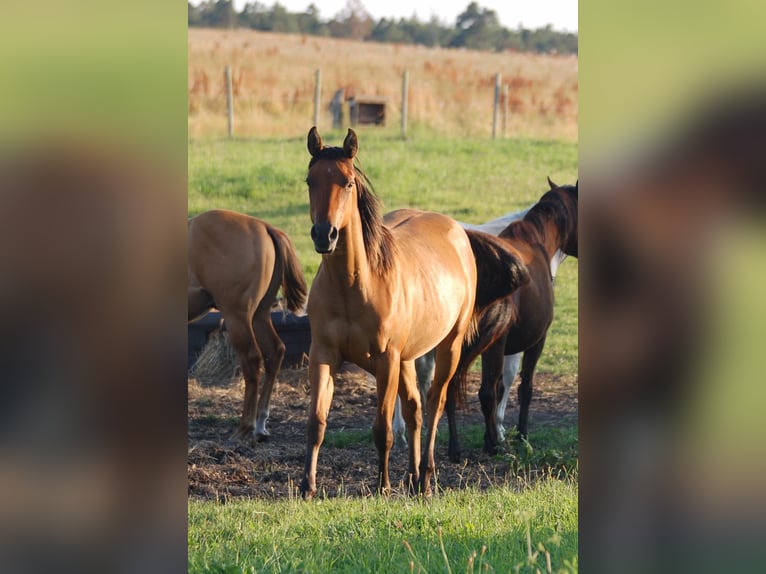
388	290
424	366
237	263
518	323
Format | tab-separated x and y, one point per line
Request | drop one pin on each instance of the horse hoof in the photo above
454	456
307	493
242	435
262	437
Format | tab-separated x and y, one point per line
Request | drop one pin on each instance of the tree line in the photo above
476	27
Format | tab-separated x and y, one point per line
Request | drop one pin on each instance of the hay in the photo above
217	364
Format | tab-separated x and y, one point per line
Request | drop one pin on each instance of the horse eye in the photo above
350	184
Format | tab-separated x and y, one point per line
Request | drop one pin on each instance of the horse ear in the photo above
314	142
350	144
553	185
576	184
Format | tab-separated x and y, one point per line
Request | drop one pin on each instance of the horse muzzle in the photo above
324	236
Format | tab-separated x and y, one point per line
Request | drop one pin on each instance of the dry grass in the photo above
451	91
217	363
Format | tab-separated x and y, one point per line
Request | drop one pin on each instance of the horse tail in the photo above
292	281
499	273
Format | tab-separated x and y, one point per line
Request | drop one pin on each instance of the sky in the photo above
561	14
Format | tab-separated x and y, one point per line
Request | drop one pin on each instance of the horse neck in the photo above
552	241
545	233
348	262
549	220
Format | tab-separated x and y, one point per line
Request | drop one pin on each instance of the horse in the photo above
518	323
237	263
424	366
388	289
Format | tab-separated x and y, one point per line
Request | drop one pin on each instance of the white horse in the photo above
424	366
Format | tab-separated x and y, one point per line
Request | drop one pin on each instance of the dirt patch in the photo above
221	469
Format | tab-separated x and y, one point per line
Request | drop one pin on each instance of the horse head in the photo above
568	197
570	192
332	183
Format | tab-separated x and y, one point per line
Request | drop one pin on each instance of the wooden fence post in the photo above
229	101
497	106
317	93
405	92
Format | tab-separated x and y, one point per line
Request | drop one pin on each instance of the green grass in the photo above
511	528
506	529
471	180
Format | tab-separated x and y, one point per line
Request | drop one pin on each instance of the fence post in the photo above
497	106
505	108
317	92
229	101
405	91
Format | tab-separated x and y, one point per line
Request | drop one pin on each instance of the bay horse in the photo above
518	323
237	263
424	366
387	291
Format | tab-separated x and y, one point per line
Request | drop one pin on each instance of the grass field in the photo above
514	529
526	521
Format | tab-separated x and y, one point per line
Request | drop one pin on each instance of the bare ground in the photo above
220	469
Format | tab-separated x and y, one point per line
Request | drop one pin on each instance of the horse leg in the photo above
510	368
273	350
424	369
409	398
243	341
491	372
528	364
320	379
447	358
400	428
387	368
453	445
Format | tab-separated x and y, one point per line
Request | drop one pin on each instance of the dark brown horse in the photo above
237	263
388	290
519	322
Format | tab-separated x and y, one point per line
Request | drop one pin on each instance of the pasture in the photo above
513	512
244	509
